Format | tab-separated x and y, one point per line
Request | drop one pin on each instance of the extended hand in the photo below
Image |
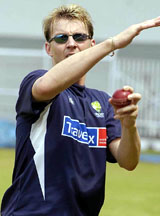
124	38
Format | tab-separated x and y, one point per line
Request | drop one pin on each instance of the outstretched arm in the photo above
71	69
127	149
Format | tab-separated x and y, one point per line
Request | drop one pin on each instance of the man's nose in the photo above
71	42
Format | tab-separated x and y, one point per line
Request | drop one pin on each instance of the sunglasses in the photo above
63	38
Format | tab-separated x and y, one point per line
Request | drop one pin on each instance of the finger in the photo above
131	115
127	87
157	21
127	109
135	98
151	23
114	107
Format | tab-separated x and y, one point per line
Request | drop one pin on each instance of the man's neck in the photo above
81	81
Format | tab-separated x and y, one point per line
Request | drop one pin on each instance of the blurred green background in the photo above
135	193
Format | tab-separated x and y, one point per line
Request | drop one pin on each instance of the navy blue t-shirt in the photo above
61	152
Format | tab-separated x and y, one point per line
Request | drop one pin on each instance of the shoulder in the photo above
34	74
25	103
31	77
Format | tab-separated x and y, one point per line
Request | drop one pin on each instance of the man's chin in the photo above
69	55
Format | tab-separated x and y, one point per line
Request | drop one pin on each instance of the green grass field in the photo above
135	193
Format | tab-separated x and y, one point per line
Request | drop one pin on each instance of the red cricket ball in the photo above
120	98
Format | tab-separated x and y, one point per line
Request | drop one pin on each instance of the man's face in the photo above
58	52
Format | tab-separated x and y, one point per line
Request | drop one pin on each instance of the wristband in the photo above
112	48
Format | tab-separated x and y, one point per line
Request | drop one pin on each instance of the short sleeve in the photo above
25	103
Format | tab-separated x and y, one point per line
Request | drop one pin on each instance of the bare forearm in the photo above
129	148
69	71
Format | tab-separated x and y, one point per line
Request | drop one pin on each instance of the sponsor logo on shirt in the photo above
92	136
97	106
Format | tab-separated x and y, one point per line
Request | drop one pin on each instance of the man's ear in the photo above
93	42
48	49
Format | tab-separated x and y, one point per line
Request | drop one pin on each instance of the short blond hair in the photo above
69	12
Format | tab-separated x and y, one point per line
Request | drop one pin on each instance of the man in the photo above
65	131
